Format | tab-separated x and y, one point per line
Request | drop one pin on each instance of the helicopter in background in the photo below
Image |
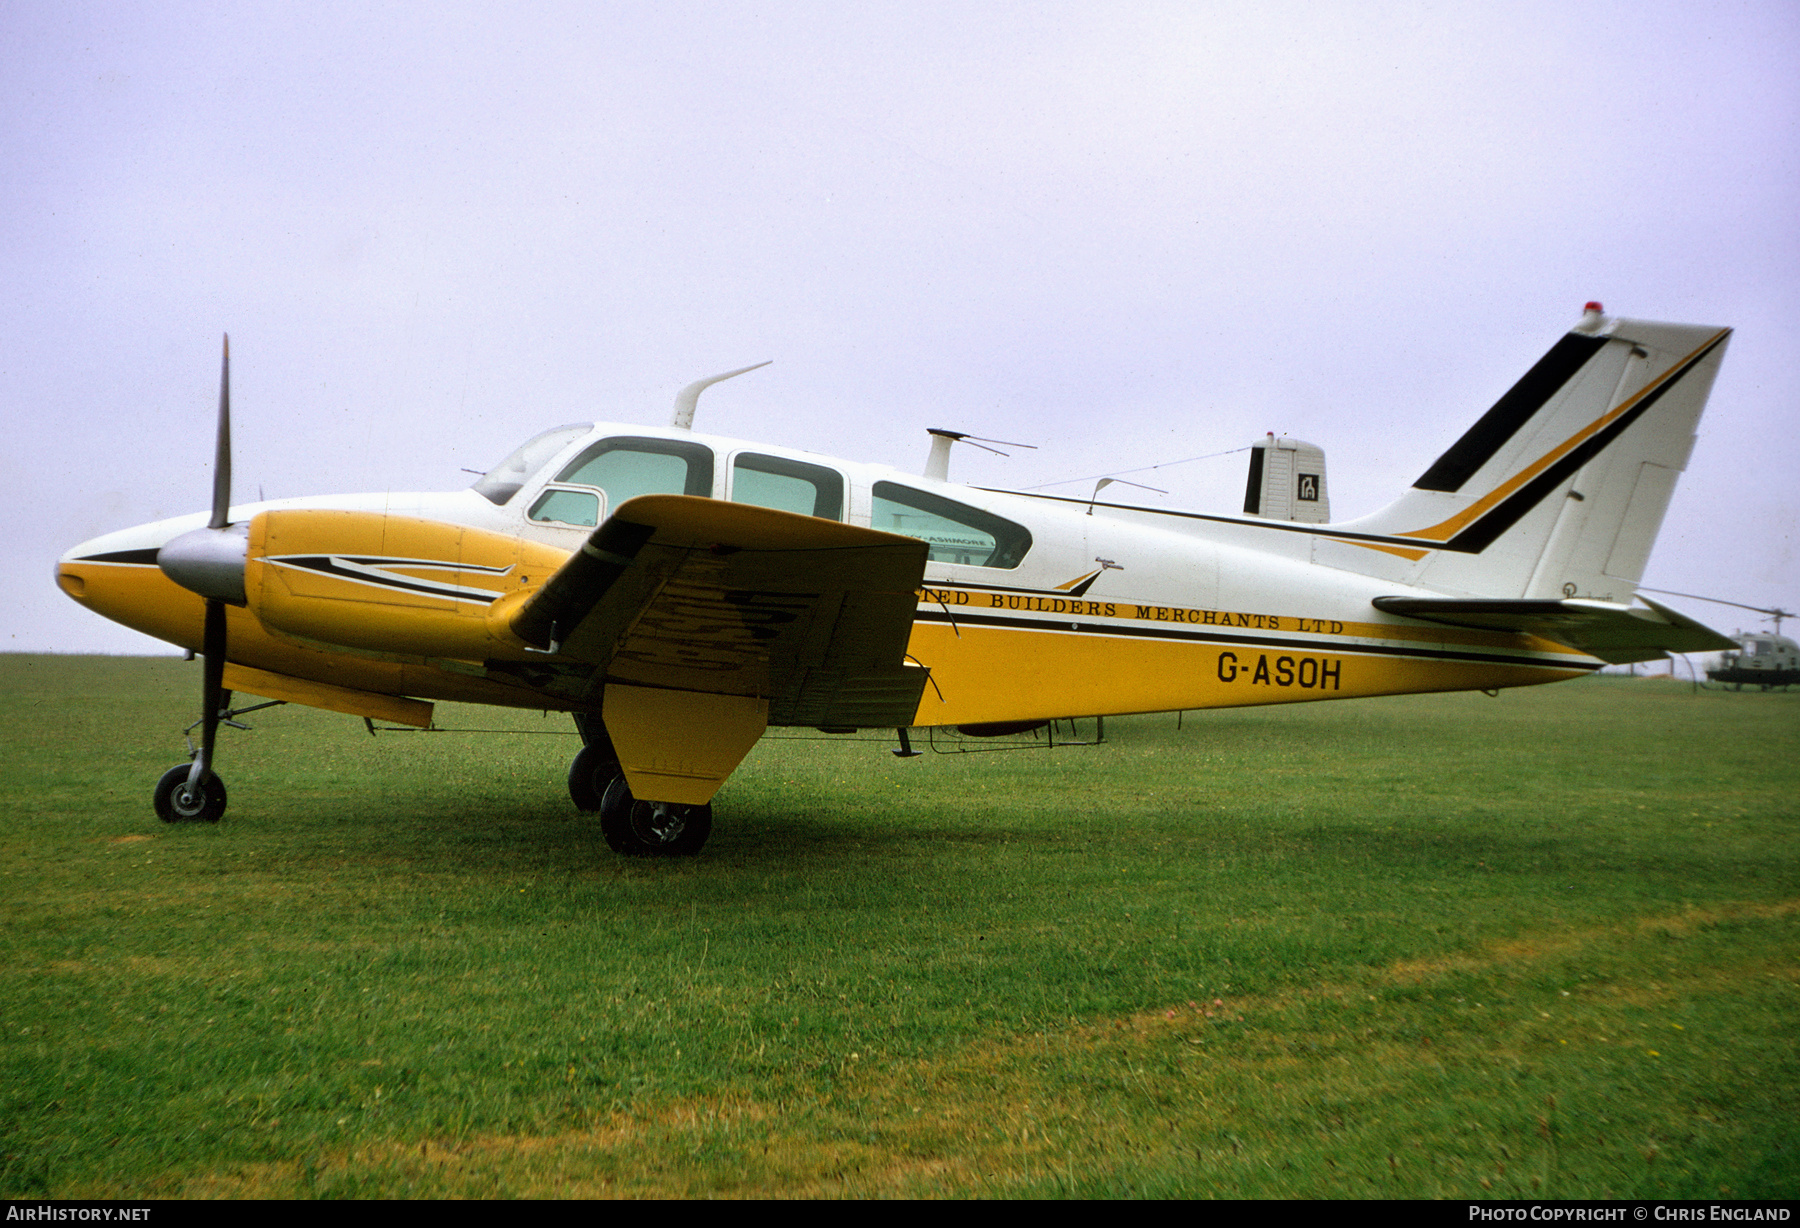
1761	659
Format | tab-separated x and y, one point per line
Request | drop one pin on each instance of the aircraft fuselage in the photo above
1031	608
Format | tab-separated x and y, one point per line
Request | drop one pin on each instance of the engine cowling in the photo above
391	584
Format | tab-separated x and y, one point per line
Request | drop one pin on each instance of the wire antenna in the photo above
1118	473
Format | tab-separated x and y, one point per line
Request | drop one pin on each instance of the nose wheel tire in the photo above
637	828
590	774
176	803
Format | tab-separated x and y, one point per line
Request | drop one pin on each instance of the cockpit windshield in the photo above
502	482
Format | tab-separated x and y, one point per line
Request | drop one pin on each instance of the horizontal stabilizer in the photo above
1618	634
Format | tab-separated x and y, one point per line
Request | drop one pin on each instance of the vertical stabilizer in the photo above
1560	488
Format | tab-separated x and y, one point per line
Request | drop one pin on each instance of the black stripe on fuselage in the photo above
1512	411
327	565
964	619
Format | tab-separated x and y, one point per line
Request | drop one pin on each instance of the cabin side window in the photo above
580	508
956	532
787	485
626	468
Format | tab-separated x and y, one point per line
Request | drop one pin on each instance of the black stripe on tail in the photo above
1510	412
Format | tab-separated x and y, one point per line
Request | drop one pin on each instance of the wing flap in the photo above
1617	634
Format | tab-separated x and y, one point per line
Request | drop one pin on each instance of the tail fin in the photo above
1558	491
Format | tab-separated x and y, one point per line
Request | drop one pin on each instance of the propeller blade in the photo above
210	561
221	504
212	643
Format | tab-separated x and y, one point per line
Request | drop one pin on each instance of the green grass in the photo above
1435	946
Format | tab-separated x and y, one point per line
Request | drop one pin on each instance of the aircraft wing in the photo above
702	596
1618	634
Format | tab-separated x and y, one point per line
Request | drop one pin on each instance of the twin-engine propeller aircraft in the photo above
680	593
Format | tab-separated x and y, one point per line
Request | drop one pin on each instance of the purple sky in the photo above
1127	233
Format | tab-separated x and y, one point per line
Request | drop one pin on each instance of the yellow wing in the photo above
692	594
700	623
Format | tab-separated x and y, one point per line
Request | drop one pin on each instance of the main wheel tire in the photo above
175	804
590	774
638	828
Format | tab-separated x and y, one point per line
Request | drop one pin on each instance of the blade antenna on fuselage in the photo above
687	398
1103	483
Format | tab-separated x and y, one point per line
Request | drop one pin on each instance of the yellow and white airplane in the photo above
680	593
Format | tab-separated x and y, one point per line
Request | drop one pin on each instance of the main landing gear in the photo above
594	768
632	827
638	828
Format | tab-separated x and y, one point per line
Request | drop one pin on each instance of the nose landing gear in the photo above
179	802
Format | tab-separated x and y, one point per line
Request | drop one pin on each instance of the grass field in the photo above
1545	944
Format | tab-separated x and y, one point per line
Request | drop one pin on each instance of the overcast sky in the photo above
1126	233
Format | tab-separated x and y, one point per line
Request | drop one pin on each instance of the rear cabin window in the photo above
956	532
787	485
